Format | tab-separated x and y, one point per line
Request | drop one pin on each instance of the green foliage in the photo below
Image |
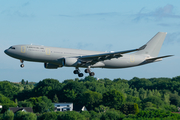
136	108
86	114
132	99
55	99
156	114
172	108
91	99
101	108
41	104
47	87
21	115
155	100
69	95
23	82
48	116
90	79
8	115
113	99
6	103
25	104
130	108
175	99
5	100
6	106
8	89
112	115
101	95
72	92
71	115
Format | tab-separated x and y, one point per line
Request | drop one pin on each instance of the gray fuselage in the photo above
55	55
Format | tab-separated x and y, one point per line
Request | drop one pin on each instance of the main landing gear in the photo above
77	71
89	71
22	65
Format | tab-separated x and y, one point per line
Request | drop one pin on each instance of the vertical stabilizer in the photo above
153	47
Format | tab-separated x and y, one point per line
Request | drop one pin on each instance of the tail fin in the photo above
153	47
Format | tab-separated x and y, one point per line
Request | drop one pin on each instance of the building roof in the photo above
16	109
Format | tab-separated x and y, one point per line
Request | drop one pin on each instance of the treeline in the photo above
104	98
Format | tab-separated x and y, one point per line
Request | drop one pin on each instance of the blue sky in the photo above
101	25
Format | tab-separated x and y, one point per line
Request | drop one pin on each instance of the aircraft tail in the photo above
153	47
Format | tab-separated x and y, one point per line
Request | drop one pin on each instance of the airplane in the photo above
54	57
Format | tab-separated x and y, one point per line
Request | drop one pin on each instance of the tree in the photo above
48	116
130	108
8	89
55	99
41	104
73	91
155	100
112	115
174	99
25	104
69	95
132	99
71	115
22	115
27	82
40	107
6	103
90	79
91	99
8	115
47	87
113	99
23	82
101	109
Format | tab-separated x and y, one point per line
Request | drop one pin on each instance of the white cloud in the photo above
158	14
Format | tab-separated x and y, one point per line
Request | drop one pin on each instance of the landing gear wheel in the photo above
80	74
76	72
91	74
87	71
22	65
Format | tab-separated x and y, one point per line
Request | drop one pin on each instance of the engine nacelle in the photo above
51	66
71	62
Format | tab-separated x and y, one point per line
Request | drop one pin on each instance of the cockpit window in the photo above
12	47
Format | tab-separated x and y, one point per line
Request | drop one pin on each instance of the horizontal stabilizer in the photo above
156	58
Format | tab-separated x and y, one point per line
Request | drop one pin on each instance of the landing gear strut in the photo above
77	71
22	65
88	70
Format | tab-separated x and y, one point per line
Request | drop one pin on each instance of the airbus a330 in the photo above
54	58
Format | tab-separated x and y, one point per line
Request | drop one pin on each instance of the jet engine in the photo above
51	66
71	62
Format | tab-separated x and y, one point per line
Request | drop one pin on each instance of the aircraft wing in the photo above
92	59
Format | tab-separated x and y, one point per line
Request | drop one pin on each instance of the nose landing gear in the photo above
22	65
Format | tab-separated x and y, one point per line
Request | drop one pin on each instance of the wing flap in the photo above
105	56
92	59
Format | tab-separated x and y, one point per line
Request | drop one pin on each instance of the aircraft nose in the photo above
6	52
